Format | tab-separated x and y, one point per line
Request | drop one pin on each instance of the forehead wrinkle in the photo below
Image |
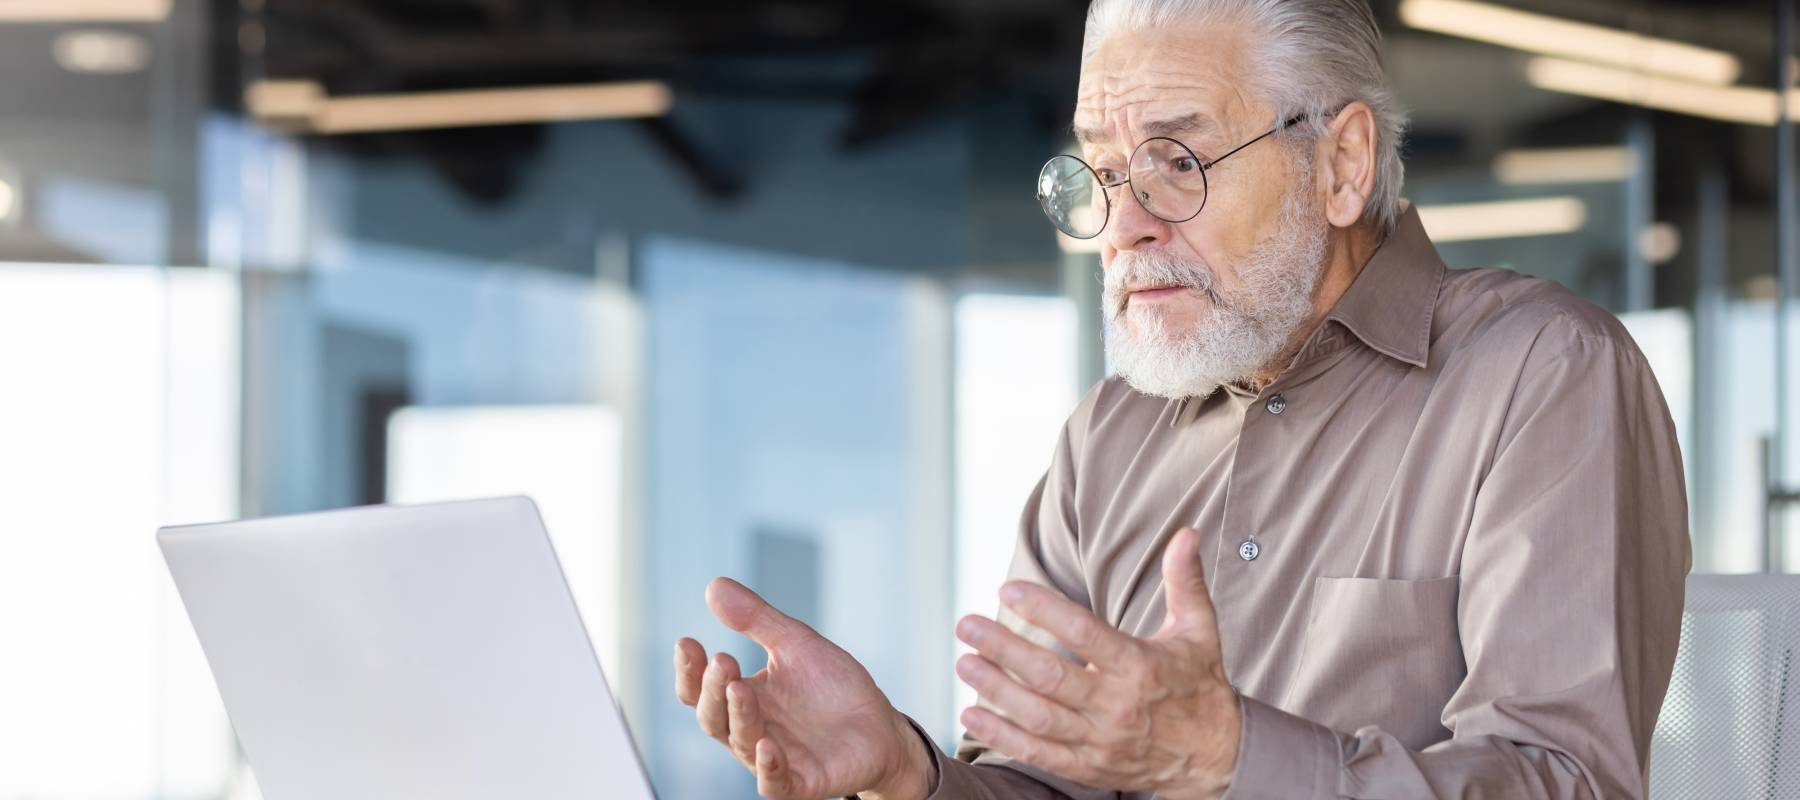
1125	89
1112	101
1179	76
1133	121
1196	124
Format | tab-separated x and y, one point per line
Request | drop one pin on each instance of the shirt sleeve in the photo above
1045	554
1569	609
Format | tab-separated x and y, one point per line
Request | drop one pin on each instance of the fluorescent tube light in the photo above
306	104
100	52
295	102
1503	219
84	10
1541	33
1603	164
1741	104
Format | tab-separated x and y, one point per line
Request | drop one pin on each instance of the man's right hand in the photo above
812	724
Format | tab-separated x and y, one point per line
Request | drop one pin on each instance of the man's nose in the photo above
1132	227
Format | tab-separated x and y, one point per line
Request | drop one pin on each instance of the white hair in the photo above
1311	58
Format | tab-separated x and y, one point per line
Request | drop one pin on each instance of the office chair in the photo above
1727	728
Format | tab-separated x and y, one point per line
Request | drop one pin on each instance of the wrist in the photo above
910	773
1215	762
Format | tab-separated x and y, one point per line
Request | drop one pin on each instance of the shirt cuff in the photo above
934	784
1282	756
951	778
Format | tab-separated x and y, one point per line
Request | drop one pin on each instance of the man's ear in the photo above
1346	159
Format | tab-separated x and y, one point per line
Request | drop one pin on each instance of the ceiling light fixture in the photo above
84	10
1602	164
1741	104
1503	219
1541	33
101	52
307	106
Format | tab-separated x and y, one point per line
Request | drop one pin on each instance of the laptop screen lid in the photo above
404	651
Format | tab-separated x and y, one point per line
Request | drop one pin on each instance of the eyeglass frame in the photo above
1105	187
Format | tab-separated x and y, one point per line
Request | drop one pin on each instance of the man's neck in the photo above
1347	253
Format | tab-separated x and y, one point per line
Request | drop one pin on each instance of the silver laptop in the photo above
427	651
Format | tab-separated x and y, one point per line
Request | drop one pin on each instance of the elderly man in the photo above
1345	524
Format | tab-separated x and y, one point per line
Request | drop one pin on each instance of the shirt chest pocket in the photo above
1380	652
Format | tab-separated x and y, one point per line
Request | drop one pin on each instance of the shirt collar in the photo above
1389	305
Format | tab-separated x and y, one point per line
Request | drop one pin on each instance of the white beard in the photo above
1243	330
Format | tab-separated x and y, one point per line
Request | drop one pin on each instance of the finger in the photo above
714	719
773	778
1038	668
1070	622
1190	607
746	612
1003	736
1029	710
690	665
745	720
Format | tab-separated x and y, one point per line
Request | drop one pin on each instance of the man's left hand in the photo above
1154	714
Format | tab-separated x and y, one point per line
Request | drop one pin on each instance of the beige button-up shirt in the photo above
1447	545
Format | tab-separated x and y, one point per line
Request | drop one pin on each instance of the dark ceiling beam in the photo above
708	175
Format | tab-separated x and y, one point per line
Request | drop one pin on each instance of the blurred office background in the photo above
756	289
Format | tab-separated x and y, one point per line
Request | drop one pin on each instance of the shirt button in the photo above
1276	405
1248	550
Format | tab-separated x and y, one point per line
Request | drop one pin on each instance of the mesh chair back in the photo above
1727	729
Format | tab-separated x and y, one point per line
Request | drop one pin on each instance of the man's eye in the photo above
1186	164
1109	176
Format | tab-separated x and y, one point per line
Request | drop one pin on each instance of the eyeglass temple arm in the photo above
1266	134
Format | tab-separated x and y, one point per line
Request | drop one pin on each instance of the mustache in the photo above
1135	269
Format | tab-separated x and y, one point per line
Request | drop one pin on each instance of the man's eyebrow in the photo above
1094	135
1198	124
1187	124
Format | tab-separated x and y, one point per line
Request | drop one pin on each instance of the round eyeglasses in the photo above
1166	178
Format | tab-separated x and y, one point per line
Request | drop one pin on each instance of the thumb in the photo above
1184	584
747	613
